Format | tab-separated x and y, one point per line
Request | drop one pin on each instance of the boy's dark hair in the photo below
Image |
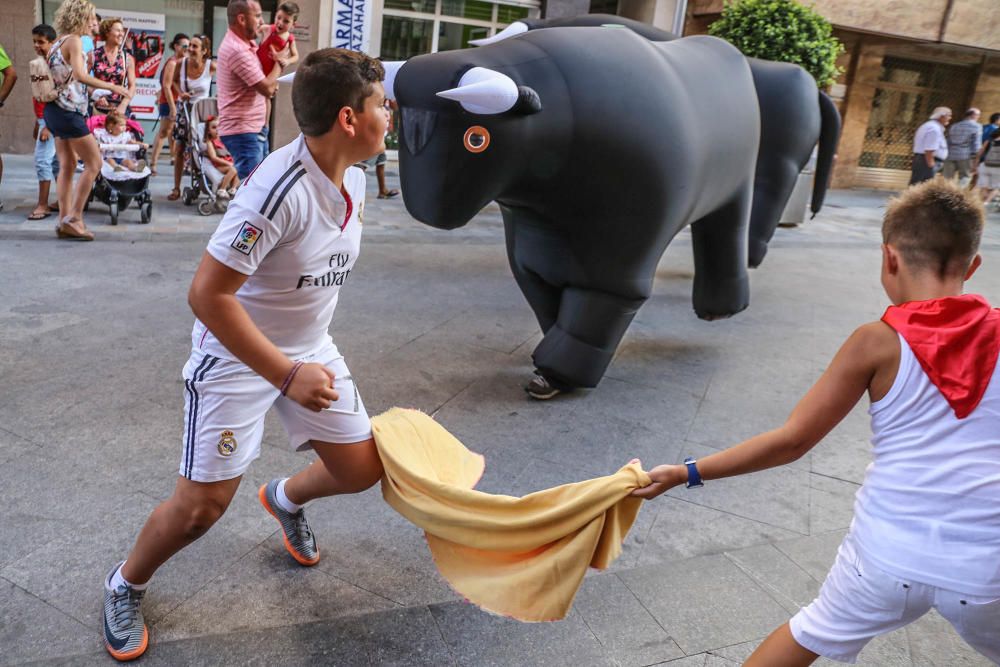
44	30
289	8
935	226
178	37
995	117
329	80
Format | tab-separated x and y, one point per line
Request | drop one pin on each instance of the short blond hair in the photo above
72	16
935	226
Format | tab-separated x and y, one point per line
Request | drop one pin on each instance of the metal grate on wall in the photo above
907	92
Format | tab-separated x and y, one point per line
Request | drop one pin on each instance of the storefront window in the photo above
404	38
469	9
508	13
456	36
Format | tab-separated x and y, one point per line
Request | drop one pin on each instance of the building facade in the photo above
901	60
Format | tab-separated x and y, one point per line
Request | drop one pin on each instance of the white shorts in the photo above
211	172
224	407
989	177
859	602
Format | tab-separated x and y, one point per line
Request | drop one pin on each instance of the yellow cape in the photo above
519	557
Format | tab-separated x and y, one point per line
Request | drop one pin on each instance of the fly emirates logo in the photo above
334	277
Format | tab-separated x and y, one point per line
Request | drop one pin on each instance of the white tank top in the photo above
200	87
929	508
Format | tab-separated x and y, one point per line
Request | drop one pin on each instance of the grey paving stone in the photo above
492	641
27	624
814	554
263	590
786	582
933	641
621	624
831	503
704	602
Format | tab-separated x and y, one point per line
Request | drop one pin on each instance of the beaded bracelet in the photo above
291	374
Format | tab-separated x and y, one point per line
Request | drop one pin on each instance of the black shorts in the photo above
64	124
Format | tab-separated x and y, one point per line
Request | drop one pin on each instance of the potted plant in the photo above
785	31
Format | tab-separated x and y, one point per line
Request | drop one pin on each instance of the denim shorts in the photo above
65	124
246	150
164	110
46	162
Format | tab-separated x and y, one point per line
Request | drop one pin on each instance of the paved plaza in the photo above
93	337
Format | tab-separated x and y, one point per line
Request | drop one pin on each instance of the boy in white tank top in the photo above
926	528
264	296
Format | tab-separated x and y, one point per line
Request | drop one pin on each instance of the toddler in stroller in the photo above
217	162
207	175
124	175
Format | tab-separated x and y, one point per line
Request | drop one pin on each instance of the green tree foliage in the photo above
782	30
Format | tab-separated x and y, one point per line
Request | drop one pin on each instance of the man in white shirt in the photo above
930	146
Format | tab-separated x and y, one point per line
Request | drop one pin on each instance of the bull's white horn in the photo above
484	91
391	70
513	30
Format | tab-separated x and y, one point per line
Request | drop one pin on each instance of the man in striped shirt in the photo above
243	87
963	146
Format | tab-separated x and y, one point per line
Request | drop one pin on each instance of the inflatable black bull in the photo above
599	146
791	124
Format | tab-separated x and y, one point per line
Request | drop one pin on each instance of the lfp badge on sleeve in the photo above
246	238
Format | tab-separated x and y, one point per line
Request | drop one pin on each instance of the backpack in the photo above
43	88
992	156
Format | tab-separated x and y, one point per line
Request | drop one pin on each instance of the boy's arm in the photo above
823	407
293	53
213	299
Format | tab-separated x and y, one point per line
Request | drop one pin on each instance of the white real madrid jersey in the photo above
297	237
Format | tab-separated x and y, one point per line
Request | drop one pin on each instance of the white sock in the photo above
117	580
283	500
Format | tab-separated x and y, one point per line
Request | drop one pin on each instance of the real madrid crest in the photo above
227	443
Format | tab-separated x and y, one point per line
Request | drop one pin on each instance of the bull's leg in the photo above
719	240
773	185
535	255
578	348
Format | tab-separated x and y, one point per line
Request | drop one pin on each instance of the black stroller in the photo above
118	189
194	116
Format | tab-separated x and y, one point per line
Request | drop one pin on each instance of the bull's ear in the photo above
528	101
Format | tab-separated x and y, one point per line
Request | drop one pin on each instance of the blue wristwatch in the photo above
694	478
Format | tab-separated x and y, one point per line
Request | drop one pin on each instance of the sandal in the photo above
174	195
53	208
388	194
39	216
67	230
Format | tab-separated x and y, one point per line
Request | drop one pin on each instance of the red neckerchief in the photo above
956	339
350	207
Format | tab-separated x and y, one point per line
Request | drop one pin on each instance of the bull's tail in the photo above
829	135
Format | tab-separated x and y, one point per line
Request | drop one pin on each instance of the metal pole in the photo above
680	12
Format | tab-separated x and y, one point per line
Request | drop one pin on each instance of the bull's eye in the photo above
476	139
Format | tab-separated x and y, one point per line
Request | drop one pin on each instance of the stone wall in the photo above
316	16
17	116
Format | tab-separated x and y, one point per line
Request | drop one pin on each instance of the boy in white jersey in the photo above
264	295
926	528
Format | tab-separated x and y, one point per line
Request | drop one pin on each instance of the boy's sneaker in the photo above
543	388
299	540
125	634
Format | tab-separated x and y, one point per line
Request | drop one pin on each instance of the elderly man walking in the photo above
243	87
963	146
930	147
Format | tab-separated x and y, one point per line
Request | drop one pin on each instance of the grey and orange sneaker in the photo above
299	540
125	634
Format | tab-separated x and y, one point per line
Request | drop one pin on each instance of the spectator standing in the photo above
963	145
989	168
46	164
930	147
8	77
243	87
192	76
87	39
990	127
66	116
114	65
179	45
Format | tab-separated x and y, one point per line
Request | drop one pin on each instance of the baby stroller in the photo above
117	189
194	115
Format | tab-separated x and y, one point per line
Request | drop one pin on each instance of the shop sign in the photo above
145	41
351	24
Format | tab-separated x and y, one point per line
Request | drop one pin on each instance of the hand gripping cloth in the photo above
518	557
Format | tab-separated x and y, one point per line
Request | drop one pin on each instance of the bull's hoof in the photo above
712	315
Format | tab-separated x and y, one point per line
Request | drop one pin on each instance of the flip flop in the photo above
174	195
38	216
53	209
65	231
389	194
